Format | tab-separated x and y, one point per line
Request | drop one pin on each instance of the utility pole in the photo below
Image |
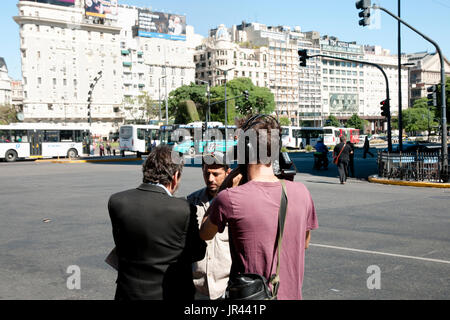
400	116
443	100
304	56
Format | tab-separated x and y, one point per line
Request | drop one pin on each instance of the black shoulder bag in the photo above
252	286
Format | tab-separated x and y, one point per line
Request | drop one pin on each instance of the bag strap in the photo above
275	279
343	147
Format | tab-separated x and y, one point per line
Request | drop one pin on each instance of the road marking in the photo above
380	253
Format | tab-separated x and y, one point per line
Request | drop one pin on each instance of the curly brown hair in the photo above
159	167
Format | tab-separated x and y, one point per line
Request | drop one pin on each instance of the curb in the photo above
375	179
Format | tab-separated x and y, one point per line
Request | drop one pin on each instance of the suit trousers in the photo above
343	171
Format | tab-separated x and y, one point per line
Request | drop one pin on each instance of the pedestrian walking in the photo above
211	274
102	149
251	212
108	148
367	147
341	158
156	235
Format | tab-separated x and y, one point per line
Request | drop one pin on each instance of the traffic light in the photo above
303	54
246	95
432	96
385	108
364	5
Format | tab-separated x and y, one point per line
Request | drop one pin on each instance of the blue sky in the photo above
333	17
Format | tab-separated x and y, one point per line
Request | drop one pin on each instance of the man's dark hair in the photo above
342	138
262	124
214	161
159	167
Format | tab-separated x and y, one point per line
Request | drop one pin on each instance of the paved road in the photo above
402	230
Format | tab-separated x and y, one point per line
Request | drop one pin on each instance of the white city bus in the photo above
138	138
332	135
299	137
42	140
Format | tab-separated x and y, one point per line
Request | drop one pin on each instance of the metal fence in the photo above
416	166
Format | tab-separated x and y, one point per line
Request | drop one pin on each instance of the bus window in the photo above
78	136
141	134
5	136
67	136
155	134
126	132
19	136
285	131
51	136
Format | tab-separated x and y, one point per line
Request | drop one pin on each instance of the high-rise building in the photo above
66	45
424	72
63	49
155	59
218	54
5	84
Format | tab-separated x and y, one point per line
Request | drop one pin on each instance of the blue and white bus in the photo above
191	142
42	140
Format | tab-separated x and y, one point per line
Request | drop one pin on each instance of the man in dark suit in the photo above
342	152
156	235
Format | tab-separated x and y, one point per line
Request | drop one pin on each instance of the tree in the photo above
355	122
284	121
332	121
186	112
149	106
193	92
7	114
261	100
418	119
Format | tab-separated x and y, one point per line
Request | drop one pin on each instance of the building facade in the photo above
5	84
64	48
424	72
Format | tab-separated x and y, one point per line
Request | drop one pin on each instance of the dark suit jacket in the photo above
157	240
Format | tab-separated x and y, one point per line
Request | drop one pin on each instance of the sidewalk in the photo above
419	184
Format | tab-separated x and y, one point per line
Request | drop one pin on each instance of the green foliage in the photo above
284	121
333	121
7	114
355	122
186	112
261	100
193	92
309	148
417	119
149	106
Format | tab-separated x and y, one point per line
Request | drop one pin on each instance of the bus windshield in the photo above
126	132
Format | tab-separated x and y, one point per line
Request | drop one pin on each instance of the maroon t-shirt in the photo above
251	212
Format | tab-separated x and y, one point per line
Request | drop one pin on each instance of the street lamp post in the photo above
92	86
159	96
208	93
225	73
443	100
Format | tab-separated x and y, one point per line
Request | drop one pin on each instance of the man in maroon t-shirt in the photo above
251	212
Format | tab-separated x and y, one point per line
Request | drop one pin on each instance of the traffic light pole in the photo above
444	107
387	88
